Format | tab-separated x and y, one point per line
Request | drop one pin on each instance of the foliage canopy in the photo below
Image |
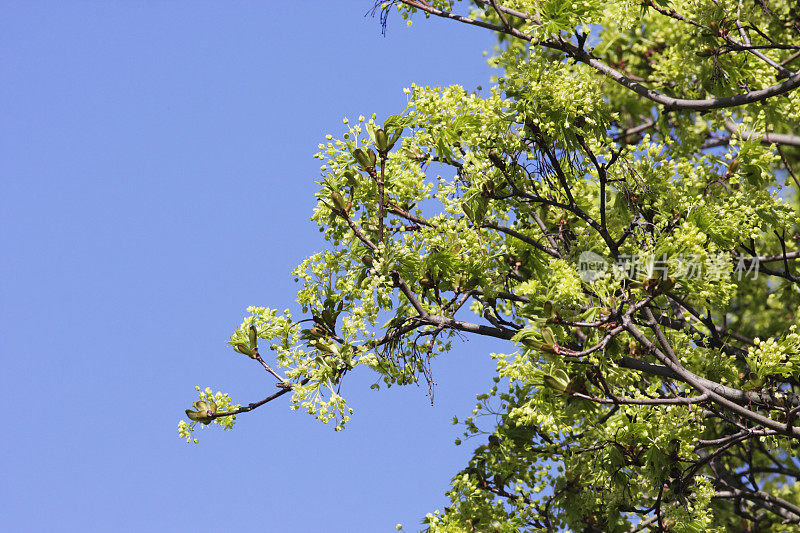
622	208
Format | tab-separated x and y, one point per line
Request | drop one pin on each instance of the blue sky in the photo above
158	178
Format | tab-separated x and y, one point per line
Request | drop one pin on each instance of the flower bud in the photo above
381	141
243	349
253	337
362	158
338	201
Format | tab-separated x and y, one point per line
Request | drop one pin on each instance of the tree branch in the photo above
764	138
579	54
719	393
522	237
772	503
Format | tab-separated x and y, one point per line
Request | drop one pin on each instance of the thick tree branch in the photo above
459	325
403	286
579	54
719	393
764	138
781	507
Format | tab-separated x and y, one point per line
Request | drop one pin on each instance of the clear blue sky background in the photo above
156	178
